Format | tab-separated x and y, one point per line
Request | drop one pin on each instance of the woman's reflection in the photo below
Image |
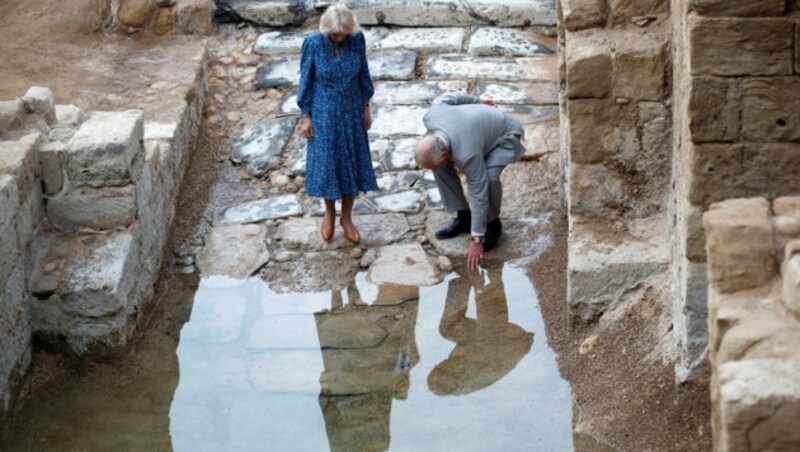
487	347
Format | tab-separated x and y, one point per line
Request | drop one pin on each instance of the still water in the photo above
463	366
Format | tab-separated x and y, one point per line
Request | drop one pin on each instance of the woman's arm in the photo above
364	78
306	86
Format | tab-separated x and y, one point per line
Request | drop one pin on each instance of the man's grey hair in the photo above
429	151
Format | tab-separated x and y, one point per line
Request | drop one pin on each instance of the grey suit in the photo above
482	141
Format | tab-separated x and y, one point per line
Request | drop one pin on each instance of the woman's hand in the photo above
367	118
305	127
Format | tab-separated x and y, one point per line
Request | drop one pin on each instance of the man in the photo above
477	139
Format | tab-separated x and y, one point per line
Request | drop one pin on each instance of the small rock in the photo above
219	71
226	60
444	264
213	119
588	344
219	98
356	253
788	225
622	101
273	93
398	316
49	267
185	261
46	284
233	116
188	270
642	21
368	258
418	227
278	179
421	239
286	256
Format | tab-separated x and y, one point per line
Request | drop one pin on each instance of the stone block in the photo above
739	244
758	405
582	14
279	42
164	21
235	250
260	145
770	169
31	213
621	11
414	93
403	264
445	13
593	188
508	42
39	100
399	120
695	234
104	150
283	206
714	109
588	68
791	276
135	13
514	94
540	69
734	47
272	13
735	8
599	274
100	209
12	114
639	69
690	319
592	129
51	162
20	159
9	210
717	173
771	109
425	40
68	115
194	16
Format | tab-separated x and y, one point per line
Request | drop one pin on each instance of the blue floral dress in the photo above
334	90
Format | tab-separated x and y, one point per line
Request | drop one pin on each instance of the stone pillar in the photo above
736	94
617	123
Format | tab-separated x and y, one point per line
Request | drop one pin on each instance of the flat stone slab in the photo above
520	94
236	250
401	156
534	69
424	40
313	272
399	120
392	181
289	105
268	13
376	230
392	65
283	71
507	42
530	115
260	145
386	65
263	209
404	264
442	13
280	42
408	201
414	93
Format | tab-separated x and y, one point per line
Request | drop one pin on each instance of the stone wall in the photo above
753	255
736	100
86	201
617	122
163	16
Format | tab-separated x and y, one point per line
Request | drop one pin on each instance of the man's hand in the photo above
475	255
305	127
489	102
367	118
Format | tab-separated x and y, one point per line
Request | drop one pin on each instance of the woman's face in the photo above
337	37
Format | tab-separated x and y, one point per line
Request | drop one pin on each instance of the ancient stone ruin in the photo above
666	133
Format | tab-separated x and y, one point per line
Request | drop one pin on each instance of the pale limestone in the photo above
536	69
515	94
265	209
406	265
414	93
398	120
424	40
234	250
104	209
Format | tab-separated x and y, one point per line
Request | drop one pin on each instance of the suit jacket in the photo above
479	137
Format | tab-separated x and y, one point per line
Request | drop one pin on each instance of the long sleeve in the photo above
478	183
459	99
364	78
307	73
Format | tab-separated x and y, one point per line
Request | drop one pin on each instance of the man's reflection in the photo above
368	351
487	347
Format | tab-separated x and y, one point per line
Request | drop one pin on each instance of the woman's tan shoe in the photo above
352	235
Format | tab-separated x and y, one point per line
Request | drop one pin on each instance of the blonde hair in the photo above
338	19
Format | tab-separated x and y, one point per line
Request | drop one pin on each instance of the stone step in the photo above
417	13
529	69
84	289
604	266
491	41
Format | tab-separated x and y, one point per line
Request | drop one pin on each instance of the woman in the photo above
334	94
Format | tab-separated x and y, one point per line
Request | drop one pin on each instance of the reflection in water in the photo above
448	367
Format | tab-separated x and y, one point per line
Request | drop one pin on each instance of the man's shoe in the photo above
459	225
